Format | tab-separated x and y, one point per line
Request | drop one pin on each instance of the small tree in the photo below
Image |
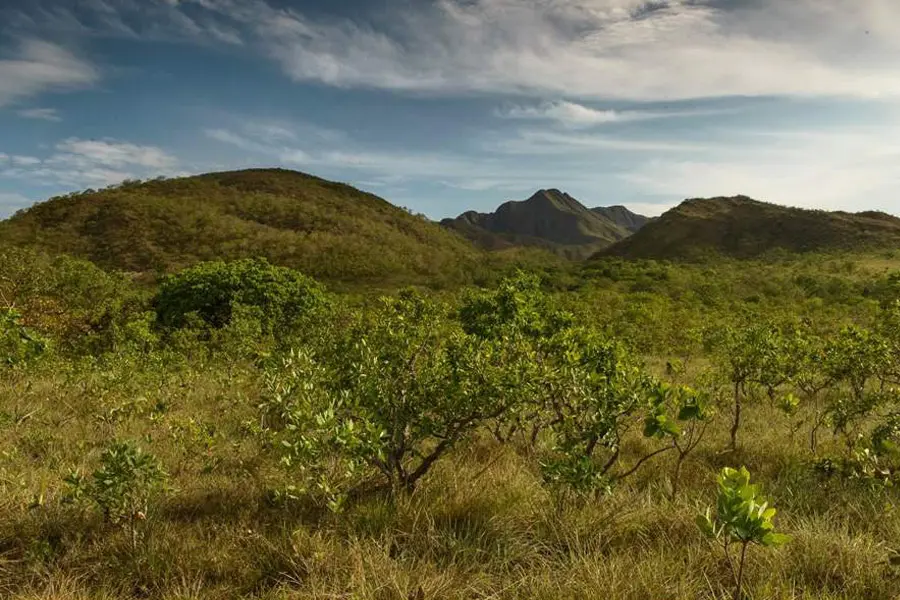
742	517
811	378
857	358
517	313
594	393
753	353
122	487
685	432
392	397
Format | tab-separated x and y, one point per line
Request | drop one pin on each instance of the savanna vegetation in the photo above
239	429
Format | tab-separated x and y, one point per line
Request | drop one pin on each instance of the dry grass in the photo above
481	526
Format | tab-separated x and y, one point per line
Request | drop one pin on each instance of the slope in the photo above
622	217
328	230
742	227
549	219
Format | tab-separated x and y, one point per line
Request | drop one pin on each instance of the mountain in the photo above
622	217
742	227
549	219
328	230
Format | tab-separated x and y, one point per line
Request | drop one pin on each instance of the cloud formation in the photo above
39	67
78	163
600	49
578	116
850	169
40	114
611	49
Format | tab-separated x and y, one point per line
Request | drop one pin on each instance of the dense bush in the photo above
213	290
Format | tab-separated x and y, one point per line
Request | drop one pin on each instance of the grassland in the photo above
483	523
482	526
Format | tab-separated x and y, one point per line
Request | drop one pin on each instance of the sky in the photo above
443	106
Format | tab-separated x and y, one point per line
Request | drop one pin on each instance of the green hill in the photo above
742	227
549	219
328	230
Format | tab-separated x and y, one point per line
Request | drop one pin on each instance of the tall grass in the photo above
480	526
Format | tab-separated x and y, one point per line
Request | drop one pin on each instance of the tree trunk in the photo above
736	423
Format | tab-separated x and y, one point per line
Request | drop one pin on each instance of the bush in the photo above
399	393
17	344
123	485
213	290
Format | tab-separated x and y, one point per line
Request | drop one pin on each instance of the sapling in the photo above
692	416
742	517
122	486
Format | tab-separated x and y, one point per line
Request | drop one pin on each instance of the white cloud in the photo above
854	169
567	113
578	116
623	49
24	161
110	153
539	142
75	163
633	49
43	67
587	49
40	114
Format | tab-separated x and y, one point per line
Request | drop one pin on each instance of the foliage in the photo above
216	290
123	485
17	344
401	393
328	230
592	394
741	517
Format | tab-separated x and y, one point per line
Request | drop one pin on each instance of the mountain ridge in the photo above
742	227
549	219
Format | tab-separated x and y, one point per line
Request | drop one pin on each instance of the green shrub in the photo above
122	487
213	290
742	517
401	390
17	344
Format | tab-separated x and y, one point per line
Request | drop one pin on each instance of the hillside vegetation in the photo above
743	227
240	429
242	432
550	219
329	230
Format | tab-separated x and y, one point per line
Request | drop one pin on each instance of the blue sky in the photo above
448	105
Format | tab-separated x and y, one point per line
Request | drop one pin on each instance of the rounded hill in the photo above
329	230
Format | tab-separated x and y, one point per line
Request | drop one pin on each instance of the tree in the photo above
398	391
593	393
857	358
811	378
686	430
752	354
519	314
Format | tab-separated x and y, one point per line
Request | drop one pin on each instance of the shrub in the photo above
213	290
400	391
122	487
17	343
